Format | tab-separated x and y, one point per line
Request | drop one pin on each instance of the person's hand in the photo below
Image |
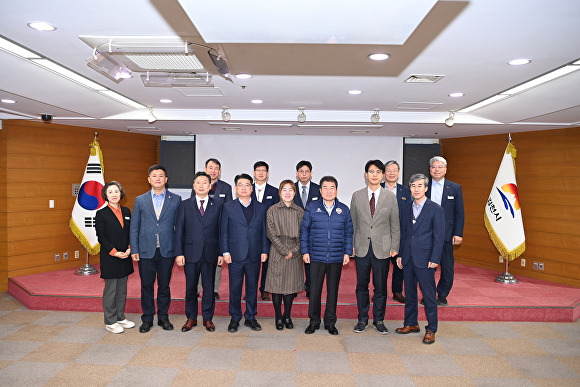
264	257
220	260
432	265
180	260
400	262
135	257
394	253
306	258
345	260
456	240
228	258
289	255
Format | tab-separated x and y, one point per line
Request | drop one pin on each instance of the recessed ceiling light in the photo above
354	92
256	101
165	100
7	101
379	56
243	76
519	62
456	95
41	26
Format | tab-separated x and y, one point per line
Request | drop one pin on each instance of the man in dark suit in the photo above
152	238
422	235
245	245
449	196
392	171
197	247
267	195
306	192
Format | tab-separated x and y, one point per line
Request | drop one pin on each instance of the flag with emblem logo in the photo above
89	200
503	211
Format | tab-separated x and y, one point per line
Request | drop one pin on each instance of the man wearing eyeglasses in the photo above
449	196
375	219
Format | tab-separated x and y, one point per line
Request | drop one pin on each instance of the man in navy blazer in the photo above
245	245
197	249
392	171
267	195
422	235
306	192
449	196
152	238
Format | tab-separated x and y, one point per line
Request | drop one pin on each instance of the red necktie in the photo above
372	204
201	211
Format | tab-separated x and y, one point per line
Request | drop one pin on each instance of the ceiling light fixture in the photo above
7	101
375	117
226	116
258	101
456	95
243	76
519	62
379	56
41	26
165	100
450	121
301	115
354	92
151	117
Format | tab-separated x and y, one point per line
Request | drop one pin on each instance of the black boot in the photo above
277	302
288	299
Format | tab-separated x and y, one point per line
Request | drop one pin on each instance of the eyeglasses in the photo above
438	167
375	171
304	171
260	170
391	170
243	185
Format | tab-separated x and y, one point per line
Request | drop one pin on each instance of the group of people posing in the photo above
297	236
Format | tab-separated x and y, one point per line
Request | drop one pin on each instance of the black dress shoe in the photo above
331	329
265	296
399	298
310	329
422	302
233	326
216	295
146	326
253	325
279	325
288	323
442	301
165	324
307	294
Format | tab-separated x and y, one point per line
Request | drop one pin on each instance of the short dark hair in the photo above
329	179
419	176
215	161
392	162
156	167
304	163
201	174
243	176
106	186
377	163
261	164
283	183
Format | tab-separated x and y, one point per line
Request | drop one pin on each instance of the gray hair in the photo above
419	176
437	158
392	162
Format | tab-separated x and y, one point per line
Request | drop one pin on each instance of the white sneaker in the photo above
114	328
126	324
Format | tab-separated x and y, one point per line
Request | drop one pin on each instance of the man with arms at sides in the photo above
375	219
450	197
403	194
197	249
152	238
306	192
267	195
422	235
326	243
245	245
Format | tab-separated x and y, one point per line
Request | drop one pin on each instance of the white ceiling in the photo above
469	42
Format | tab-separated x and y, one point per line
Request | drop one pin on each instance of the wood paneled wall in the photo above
548	177
40	162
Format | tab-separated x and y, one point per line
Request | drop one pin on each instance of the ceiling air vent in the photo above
177	80
416	78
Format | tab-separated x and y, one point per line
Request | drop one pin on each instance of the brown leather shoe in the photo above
209	326
188	325
265	296
408	329
399	297
429	336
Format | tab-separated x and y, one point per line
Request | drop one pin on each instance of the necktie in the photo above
201	211
372	204
259	196
304	196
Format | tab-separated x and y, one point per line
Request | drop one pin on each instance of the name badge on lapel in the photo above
222	195
316	198
268	197
127	218
449	197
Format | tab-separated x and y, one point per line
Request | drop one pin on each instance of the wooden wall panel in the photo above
40	163
548	176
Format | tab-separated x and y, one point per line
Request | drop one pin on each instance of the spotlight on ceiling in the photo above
150	116
375	117
451	119
226	116
301	115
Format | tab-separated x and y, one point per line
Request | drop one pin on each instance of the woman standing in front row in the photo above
112	224
285	268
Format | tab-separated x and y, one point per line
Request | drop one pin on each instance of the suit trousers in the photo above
380	270
332	271
217	280
192	272
397	282
150	269
114	299
238	271
307	277
263	275
426	279
447	270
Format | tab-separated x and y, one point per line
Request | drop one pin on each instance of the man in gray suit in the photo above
375	219
152	238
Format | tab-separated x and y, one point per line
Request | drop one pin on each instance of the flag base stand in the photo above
86	269
506	278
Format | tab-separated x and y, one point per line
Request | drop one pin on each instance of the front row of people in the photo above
243	233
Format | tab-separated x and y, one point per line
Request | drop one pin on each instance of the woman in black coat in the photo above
112	224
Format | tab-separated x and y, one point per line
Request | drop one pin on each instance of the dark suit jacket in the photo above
313	193
422	242
111	236
145	226
223	192
270	195
241	239
452	203
403	194
195	234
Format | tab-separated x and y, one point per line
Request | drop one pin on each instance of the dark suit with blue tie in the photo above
197	238
245	241
313	195
421	242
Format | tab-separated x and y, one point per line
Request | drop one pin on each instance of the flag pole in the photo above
87	268
506	277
